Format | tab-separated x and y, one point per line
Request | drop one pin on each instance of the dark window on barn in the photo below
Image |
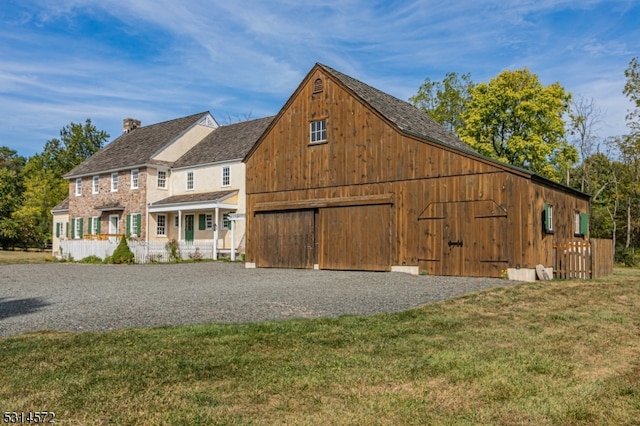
548	218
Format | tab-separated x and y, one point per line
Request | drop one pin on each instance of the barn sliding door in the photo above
467	238
355	238
286	239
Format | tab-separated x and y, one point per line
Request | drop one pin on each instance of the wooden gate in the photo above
583	259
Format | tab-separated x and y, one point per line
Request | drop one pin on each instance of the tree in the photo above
44	186
584	120
632	91
445	101
517	120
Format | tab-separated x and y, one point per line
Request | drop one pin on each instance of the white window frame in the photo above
95	220
132	225
78	187
161	182
190	181
225	221
548	217
176	221
135	175
208	221
95	187
78	230
318	131
114	182
226	176
161	228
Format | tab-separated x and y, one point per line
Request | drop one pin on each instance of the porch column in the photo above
215	235
179	225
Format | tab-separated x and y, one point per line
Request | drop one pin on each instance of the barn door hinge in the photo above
455	243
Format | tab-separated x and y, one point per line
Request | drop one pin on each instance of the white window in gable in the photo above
134	179
162	180
189	180
318	131
114	182
78	187
96	184
161	225
226	176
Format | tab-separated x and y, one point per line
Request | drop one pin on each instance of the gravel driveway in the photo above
76	297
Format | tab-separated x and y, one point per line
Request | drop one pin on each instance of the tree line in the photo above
512	118
30	188
515	119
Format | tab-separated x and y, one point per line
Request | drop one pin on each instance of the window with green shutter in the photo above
548	218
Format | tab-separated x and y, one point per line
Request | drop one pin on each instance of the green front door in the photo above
188	227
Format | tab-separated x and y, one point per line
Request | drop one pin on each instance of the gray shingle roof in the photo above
194	198
225	143
61	207
135	147
404	115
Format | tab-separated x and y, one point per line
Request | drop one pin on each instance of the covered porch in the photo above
209	218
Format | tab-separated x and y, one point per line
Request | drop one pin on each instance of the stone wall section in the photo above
133	200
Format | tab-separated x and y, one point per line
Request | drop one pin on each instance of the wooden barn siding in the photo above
366	156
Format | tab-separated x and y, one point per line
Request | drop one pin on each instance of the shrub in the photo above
93	259
173	250
122	253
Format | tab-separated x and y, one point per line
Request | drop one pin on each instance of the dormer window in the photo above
318	131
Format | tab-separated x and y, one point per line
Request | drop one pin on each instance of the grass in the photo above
559	352
8	257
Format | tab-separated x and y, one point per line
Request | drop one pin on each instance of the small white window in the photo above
318	131
162	179
576	223
78	187
96	184
226	222
134	179
134	226
114	182
226	176
548	218
78	230
208	220
95	225
161	225
189	180
176	221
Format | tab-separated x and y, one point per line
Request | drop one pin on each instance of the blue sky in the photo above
65	61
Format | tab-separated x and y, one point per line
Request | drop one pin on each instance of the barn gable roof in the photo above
226	143
405	116
137	147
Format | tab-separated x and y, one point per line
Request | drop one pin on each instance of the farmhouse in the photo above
347	177
180	179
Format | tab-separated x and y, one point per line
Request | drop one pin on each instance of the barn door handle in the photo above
455	243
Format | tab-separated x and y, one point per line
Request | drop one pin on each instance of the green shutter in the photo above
58	230
98	226
584	223
89	229
73	228
138	224
66	230
127	230
80	234
202	222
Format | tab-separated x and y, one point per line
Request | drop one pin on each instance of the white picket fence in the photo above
145	252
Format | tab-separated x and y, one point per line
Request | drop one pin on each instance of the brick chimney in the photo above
128	124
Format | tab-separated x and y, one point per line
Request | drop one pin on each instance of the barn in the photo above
347	177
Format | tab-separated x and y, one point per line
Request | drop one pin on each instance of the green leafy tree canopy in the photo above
517	120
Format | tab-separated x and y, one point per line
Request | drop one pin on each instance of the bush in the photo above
173	250
123	254
93	259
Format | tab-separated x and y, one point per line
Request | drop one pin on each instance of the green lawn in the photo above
8	257
553	353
